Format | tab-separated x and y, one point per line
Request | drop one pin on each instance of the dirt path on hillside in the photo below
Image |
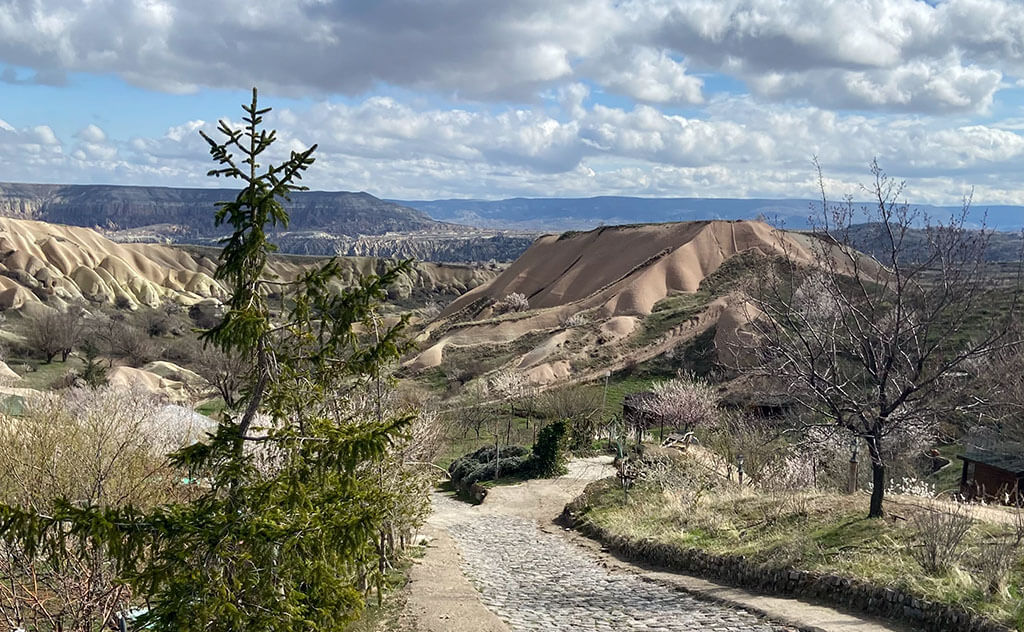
440	597
504	566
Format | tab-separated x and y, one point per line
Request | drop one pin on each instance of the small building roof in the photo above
1013	463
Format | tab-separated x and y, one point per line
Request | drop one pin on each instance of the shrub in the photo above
121	339
508	466
479	465
551	452
94	448
154	322
941	535
461	467
576	320
514	302
994	560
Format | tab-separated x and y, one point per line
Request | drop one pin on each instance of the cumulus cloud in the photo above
647	75
91	134
579	97
465	47
737	147
877	54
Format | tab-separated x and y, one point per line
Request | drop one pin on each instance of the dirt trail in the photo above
504	566
441	598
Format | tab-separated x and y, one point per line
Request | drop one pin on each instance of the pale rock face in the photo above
7	375
45	266
609	279
41	261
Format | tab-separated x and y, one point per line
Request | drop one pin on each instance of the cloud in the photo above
473	49
875	54
647	75
29	153
902	55
91	134
940	87
737	147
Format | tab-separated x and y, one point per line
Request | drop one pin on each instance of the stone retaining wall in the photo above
830	589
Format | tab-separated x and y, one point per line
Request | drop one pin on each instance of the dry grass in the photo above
817	531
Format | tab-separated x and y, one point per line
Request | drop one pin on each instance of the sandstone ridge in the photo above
591	297
45	265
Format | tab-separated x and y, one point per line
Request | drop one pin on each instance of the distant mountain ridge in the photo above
560	214
322	222
357	223
127	207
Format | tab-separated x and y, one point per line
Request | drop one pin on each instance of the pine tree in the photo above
279	534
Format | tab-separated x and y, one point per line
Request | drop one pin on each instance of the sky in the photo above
427	99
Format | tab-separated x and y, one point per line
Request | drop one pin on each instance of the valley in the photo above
321	223
566	334
463	316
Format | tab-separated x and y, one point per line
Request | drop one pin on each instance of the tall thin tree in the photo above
280	534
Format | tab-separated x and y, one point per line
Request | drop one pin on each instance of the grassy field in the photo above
809	530
39	375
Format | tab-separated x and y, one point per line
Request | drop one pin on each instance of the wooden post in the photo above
963	478
851	480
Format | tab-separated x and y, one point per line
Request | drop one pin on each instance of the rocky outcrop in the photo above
458	247
44	264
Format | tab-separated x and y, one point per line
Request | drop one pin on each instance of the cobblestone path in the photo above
536	581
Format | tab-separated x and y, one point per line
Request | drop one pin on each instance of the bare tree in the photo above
472	411
224	372
121	339
579	405
682	403
999	384
877	345
57	333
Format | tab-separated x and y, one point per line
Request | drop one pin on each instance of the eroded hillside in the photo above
601	299
46	265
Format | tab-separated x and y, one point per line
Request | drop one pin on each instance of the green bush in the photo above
479	466
511	466
551	452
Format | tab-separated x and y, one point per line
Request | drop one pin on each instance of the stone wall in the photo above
833	590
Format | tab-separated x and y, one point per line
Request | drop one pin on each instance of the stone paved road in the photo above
536	581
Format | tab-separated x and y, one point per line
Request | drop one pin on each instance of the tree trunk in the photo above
877	477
